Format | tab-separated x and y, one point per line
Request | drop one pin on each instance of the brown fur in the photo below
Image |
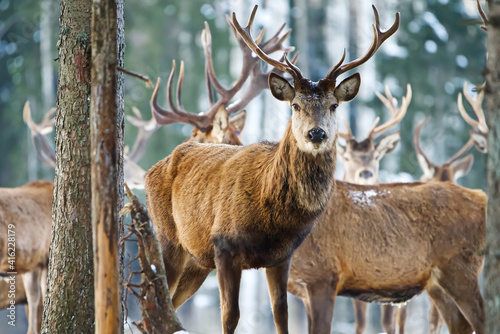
389	242
29	209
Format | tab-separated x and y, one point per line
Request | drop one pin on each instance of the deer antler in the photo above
245	33
480	124
483	16
178	113
379	37
347	135
44	149
145	130
397	114
416	143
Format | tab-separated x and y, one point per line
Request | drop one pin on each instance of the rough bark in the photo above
157	311
492	266
69	307
106	162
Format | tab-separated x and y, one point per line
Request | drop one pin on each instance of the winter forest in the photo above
100	114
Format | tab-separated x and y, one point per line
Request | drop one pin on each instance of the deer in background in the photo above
361	163
455	167
379	243
361	159
27	212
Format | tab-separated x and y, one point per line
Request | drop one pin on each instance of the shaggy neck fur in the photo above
300	180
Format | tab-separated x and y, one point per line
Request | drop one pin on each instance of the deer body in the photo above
388	243
249	222
29	209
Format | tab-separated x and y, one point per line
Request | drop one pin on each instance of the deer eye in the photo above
333	107
296	107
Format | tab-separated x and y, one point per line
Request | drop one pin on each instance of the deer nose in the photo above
316	135
366	174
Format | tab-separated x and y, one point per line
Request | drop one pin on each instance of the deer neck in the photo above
301	180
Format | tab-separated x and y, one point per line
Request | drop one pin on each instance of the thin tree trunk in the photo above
107	142
492	267
69	307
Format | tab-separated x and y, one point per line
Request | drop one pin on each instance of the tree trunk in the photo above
492	267
107	143
69	307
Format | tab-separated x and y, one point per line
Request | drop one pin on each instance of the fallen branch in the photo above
158	313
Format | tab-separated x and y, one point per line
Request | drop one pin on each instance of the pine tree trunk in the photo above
107	143
492	266
69	307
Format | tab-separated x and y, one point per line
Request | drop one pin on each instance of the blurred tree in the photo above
69	306
492	267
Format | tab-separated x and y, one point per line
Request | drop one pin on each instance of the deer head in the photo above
314	103
215	126
458	165
362	158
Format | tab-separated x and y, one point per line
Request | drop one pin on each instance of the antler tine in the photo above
163	116
416	141
44	150
258	82
397	114
145	130
347	135
483	16
379	37
247	37
480	124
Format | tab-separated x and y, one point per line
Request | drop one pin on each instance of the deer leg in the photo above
175	258
435	321
32	287
464	290
402	310
388	318
277	278
43	290
322	299
191	280
456	322
229	277
360	309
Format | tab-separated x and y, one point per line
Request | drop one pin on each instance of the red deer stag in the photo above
234	208
361	159
214	126
455	167
389	242
361	163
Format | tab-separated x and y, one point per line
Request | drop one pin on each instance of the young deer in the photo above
361	163
254	204
389	242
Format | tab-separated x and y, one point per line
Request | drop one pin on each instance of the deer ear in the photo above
238	121
280	88
387	144
462	167
348	89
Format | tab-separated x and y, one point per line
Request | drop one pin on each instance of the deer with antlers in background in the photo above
234	208
361	161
